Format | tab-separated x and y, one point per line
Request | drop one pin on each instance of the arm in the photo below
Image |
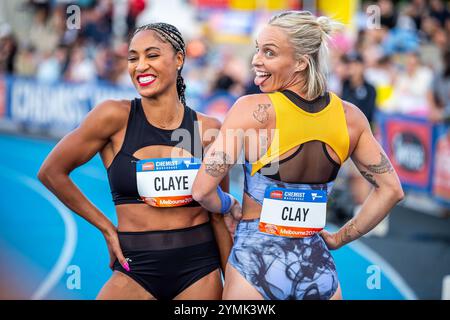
210	127
221	233
376	168
72	151
222	155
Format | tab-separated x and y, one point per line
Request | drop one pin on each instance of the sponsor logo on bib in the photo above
278	194
148	166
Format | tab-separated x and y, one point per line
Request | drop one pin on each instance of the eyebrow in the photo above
146	49
268	44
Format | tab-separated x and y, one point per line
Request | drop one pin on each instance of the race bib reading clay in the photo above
166	182
293	212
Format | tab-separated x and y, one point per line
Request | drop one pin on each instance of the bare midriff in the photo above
142	217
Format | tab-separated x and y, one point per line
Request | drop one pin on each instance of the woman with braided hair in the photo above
164	246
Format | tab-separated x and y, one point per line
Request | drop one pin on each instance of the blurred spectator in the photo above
411	88
229	72
415	10
67	35
439	11
135	7
356	89
402	38
104	63
43	36
53	65
338	74
429	26
388	13
441	93
234	68
223	83
8	49
119	66
381	75
80	68
370	44
26	62
97	22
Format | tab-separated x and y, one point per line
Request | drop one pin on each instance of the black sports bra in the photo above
139	134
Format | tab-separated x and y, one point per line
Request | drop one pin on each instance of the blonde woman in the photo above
304	133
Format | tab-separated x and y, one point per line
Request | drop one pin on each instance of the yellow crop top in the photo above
296	126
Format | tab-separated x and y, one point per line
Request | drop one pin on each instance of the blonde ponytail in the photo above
309	36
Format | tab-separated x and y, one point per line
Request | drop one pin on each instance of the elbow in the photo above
391	192
400	194
201	194
198	195
46	175
397	193
43	175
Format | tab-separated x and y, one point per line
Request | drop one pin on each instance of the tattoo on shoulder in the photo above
382	167
217	164
369	177
261	114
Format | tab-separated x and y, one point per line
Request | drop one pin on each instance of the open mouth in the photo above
261	77
146	79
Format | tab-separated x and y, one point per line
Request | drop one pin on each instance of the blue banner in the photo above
59	106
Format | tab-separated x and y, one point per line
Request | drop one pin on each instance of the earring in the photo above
178	68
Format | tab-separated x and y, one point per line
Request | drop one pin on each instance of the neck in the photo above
163	109
298	87
299	90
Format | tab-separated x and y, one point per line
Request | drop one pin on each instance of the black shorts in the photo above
167	262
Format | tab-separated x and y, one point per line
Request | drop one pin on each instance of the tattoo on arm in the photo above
345	236
349	229
369	177
260	114
217	164
382	167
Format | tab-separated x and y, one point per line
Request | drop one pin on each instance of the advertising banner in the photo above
408	144
441	172
59	106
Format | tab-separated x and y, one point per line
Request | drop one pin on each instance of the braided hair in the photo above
172	35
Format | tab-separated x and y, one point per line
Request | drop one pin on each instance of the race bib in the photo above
294	213
166	182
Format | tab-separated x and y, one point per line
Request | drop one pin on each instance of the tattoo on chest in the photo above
217	164
261	114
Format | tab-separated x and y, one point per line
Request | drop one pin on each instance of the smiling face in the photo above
153	64
274	61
